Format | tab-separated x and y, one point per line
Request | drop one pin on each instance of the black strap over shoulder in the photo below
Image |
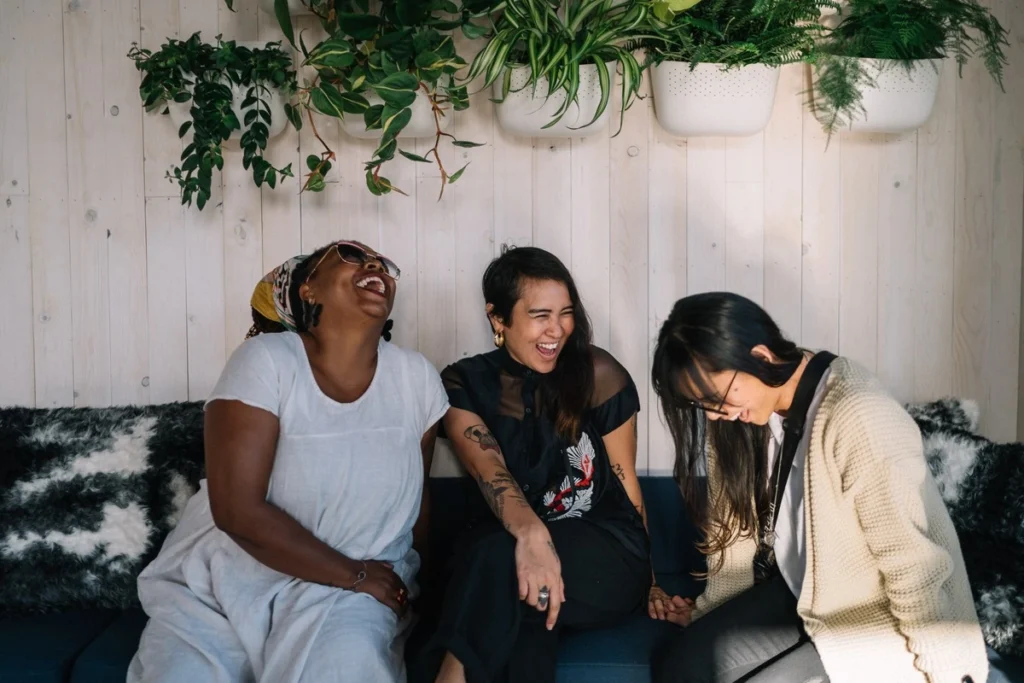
793	431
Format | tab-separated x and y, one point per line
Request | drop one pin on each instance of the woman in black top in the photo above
546	425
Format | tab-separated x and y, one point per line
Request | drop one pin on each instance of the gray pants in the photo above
757	637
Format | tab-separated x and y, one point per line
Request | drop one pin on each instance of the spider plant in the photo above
554	39
734	32
904	31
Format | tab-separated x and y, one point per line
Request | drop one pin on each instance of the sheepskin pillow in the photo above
87	496
982	484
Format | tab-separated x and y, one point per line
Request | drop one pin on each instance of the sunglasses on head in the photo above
352	253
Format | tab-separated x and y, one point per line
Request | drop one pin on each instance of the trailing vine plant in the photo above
904	31
386	54
202	75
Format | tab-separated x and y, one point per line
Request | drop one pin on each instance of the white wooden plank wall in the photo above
903	252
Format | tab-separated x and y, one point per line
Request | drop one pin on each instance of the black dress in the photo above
599	535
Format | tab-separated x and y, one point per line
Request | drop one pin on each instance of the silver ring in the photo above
543	595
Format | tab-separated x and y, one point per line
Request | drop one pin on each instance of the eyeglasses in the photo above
716	410
352	253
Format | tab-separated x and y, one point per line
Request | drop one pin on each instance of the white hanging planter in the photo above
525	110
180	111
712	100
296	8
421	125
900	99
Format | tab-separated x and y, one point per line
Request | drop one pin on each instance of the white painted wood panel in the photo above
897	250
783	203
53	336
14	53
628	270
902	251
16	358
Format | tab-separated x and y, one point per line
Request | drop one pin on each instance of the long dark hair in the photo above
711	333
567	393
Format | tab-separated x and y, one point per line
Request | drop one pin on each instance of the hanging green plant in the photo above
380	70
908	33
216	92
555	41
733	32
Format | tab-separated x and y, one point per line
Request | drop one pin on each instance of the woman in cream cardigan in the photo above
832	559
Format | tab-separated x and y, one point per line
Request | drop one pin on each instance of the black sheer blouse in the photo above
506	395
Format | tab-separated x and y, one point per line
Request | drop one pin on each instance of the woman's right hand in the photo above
538	567
673	609
385	585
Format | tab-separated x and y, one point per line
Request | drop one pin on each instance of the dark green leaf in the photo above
413	157
250	116
334	53
398	90
312	161
473	32
184	129
458	174
316	183
284	18
294	115
182	97
359	26
426	60
372	116
467	143
327	100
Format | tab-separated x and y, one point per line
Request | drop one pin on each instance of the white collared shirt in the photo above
790	540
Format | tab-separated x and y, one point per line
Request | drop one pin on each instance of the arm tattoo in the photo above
500	488
551	544
483	437
619	472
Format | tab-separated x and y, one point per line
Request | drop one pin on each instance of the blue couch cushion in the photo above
43	648
107	657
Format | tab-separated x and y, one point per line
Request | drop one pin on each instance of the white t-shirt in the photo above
352	473
790	539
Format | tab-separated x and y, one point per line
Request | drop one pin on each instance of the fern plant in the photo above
734	32
904	31
554	39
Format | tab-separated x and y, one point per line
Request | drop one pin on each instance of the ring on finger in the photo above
543	595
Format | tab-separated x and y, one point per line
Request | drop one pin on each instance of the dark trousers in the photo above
498	637
757	637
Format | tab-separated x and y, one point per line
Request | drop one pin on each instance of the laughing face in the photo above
542	321
351	285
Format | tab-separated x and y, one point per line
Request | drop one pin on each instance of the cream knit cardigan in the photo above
885	597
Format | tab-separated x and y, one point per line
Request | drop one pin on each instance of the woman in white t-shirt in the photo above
295	561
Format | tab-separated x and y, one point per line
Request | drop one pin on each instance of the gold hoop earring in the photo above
499	339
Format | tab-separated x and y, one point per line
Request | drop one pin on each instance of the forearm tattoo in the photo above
501	487
619	472
482	436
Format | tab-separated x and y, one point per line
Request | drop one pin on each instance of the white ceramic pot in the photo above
900	100
711	100
296	8
179	112
525	111
421	125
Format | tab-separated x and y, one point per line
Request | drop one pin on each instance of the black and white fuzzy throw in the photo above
982	484
86	498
